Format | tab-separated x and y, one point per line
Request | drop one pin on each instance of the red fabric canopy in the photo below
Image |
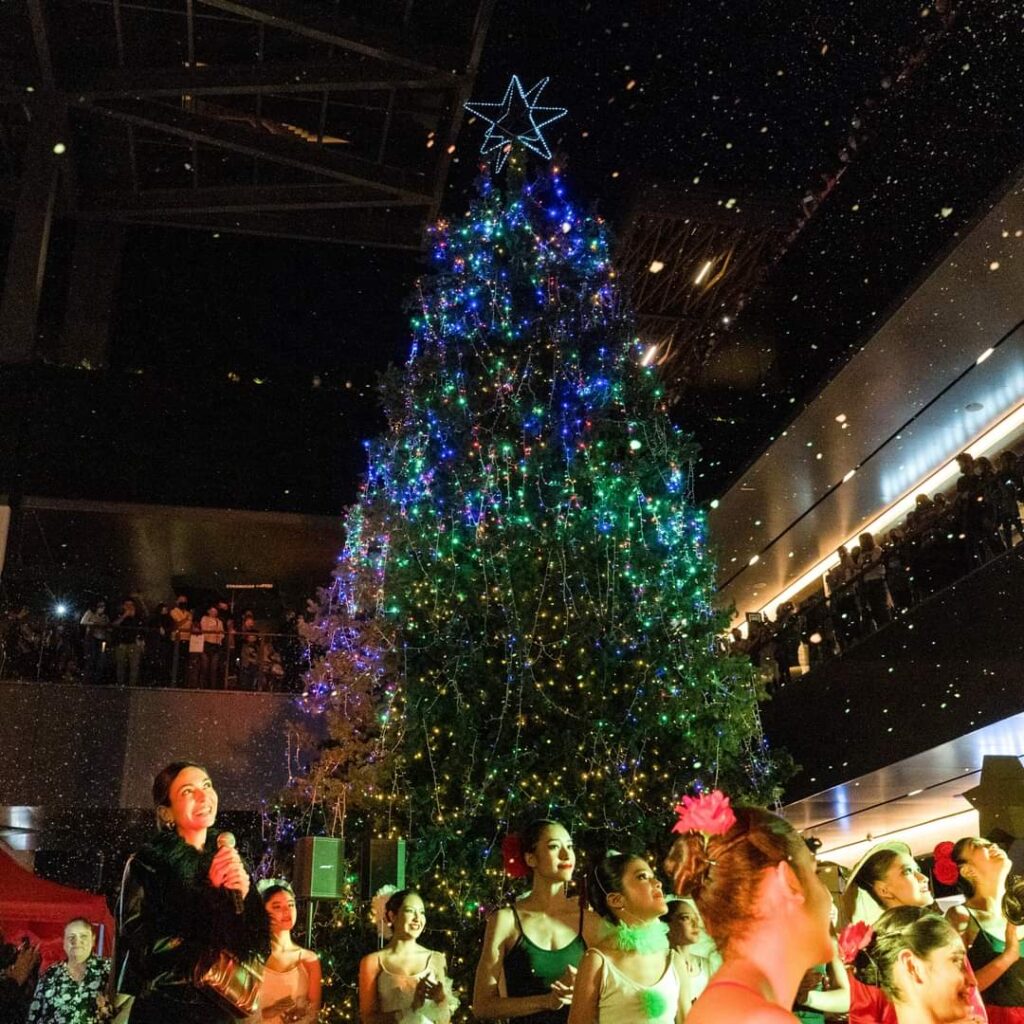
38	908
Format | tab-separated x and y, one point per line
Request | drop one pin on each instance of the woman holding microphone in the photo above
185	900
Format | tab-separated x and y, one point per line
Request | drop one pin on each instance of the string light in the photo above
520	622
517	119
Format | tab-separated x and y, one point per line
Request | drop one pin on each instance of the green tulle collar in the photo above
650	937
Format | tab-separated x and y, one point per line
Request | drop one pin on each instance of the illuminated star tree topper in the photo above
516	119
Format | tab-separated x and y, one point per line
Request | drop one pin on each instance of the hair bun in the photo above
1013	900
692	876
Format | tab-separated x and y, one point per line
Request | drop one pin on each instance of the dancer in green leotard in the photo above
531	949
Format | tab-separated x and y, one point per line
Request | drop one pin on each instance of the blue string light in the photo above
516	119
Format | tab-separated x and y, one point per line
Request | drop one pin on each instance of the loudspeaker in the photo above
319	868
383	864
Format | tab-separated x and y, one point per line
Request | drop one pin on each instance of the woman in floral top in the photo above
73	992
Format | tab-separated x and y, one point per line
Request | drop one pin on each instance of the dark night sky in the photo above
748	96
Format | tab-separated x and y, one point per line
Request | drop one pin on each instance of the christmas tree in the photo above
521	623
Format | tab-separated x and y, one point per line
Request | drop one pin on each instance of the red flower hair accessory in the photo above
853	938
512	854
709	814
945	869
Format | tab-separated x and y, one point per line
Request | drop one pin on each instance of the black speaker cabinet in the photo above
319	869
383	864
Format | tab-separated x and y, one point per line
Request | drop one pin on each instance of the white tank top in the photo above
624	1001
284	997
395	991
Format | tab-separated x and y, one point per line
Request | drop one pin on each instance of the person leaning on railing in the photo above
128	644
181	623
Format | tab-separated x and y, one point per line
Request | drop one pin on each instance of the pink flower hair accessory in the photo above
853	938
945	869
709	814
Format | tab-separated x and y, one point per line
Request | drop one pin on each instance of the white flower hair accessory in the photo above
378	903
269	883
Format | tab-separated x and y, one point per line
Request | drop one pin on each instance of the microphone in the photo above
227	839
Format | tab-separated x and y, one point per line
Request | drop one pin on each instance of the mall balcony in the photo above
891	730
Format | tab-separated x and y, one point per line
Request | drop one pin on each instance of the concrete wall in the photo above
81	549
67	746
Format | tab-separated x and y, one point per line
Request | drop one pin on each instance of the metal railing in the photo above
52	649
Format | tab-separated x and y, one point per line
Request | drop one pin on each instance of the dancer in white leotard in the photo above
405	983
631	974
291	976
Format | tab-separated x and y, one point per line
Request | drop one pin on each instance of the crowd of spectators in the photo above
943	538
205	645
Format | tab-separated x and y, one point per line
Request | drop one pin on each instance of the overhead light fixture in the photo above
849	475
652	351
656	267
984	355
704	271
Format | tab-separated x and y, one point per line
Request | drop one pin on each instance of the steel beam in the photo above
26	260
239	199
40	37
95	272
278	77
274	148
346	34
284	230
481	23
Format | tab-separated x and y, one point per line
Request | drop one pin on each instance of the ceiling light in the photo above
704	271
656	267
984	355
